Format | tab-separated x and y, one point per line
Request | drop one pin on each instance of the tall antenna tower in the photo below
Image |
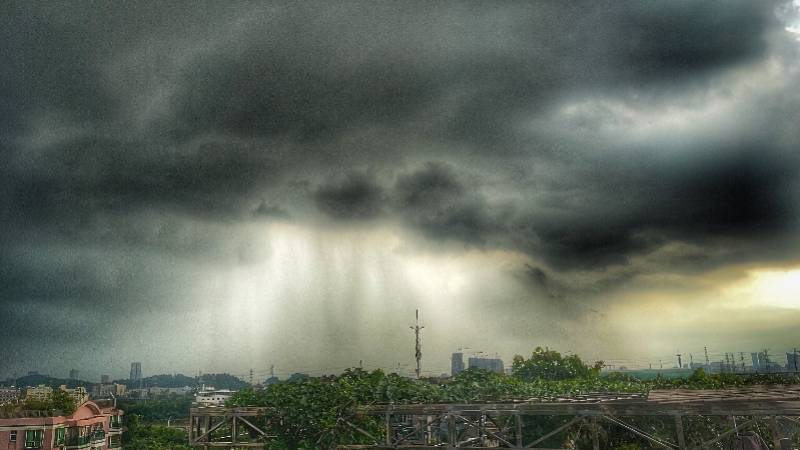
418	345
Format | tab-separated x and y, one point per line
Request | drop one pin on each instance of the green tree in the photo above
549	364
63	401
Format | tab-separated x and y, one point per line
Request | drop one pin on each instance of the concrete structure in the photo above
44	393
212	397
40	393
136	374
156	391
456	364
91	426
8	395
109	391
79	394
490	364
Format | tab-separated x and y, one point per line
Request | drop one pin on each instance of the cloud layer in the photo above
603	143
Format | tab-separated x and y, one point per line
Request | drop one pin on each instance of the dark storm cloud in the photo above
357	196
434	200
269	210
744	193
669	39
152	127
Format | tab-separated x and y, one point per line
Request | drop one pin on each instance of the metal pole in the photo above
679	432
452	436
776	433
388	424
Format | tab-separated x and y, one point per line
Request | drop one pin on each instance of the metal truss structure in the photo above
218	427
531	423
510	425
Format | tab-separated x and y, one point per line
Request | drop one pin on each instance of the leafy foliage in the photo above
141	436
160	408
548	364
58	401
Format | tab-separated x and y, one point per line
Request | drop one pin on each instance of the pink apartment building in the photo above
90	427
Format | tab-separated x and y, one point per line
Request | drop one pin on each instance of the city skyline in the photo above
696	358
225	186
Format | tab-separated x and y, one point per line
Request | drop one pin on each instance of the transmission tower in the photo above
418	345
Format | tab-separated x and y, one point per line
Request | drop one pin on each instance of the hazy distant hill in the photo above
217	380
35	380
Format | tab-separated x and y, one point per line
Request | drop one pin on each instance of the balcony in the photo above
115	424
98	436
77	441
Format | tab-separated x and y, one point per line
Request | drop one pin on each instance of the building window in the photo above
13	436
33	438
61	436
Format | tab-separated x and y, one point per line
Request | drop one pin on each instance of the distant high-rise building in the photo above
793	361
490	364
105	379
756	357
136	373
456	364
74	374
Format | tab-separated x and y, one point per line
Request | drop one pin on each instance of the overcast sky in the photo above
223	186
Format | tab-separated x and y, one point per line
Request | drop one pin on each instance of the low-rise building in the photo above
212	397
40	392
8	395
90	426
109	390
79	394
155	391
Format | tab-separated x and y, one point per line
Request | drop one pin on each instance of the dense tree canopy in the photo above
550	365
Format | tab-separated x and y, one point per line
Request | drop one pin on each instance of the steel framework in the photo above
214	427
506	425
520	424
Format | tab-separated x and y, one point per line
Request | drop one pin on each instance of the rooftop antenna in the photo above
418	345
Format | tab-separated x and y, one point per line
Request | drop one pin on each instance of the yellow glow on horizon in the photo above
778	288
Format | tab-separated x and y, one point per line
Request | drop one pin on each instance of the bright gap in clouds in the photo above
304	293
776	288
